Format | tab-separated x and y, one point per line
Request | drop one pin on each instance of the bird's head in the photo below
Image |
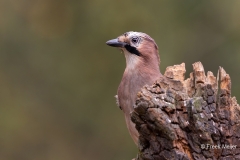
138	48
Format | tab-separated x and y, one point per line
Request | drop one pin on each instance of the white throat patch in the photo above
131	60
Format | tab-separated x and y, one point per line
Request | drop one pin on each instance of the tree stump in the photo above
192	119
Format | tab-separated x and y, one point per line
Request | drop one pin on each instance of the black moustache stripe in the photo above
132	50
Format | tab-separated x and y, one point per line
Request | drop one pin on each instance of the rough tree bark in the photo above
192	119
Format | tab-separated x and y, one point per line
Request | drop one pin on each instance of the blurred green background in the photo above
58	77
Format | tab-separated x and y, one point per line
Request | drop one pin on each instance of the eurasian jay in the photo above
142	68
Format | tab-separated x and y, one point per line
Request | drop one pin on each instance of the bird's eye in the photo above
135	40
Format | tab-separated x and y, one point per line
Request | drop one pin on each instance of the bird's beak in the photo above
115	43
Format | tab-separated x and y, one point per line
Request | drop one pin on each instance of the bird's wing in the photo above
117	101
